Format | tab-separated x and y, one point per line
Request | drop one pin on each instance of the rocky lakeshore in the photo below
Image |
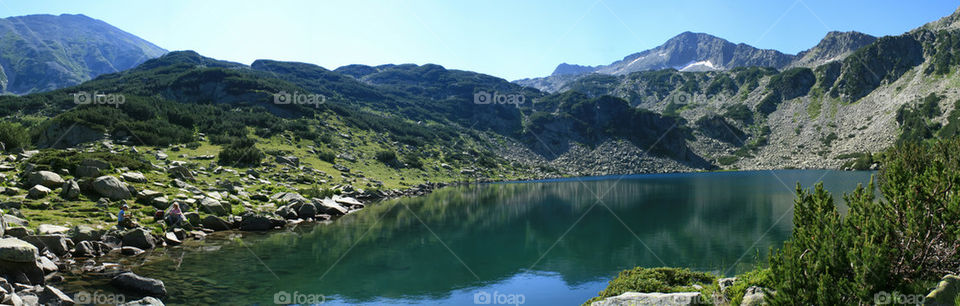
39	248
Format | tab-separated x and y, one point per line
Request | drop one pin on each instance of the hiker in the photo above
175	217
124	220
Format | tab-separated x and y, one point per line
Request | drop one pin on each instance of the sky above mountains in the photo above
504	38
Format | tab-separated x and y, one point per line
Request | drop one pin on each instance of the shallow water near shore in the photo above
539	243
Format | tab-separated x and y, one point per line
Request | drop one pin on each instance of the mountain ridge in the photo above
45	52
689	51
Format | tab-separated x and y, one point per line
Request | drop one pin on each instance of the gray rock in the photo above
87	171
46	178
16	250
131	251
634	298
288	197
147	301
212	206
86	233
38	192
53	296
725	283
147	194
87	249
289	160
70	190
50	229
12	299
286	212
57	244
139	238
753	297
139	284
30	299
171	239
18	232
330	207
135	177
12	220
193	218
181	172
252	222
215	223
112	188
96	163
307	210
47	265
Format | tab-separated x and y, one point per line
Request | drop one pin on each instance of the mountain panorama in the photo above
134	174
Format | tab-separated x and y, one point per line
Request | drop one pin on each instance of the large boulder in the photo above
16	250
193	218
70	190
288	197
88	249
139	284
38	192
86	233
139	238
57	244
215	223
135	177
87	171
112	188
46	178
254	222
181	172
50	229
18	262
307	210
212	206
330	207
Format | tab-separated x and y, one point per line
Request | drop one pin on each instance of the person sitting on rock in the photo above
175	216
124	221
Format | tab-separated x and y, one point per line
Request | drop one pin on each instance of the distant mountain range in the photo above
45	52
697	102
692	52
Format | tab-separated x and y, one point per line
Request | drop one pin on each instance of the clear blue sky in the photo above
510	39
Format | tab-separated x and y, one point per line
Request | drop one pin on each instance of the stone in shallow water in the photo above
139	284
